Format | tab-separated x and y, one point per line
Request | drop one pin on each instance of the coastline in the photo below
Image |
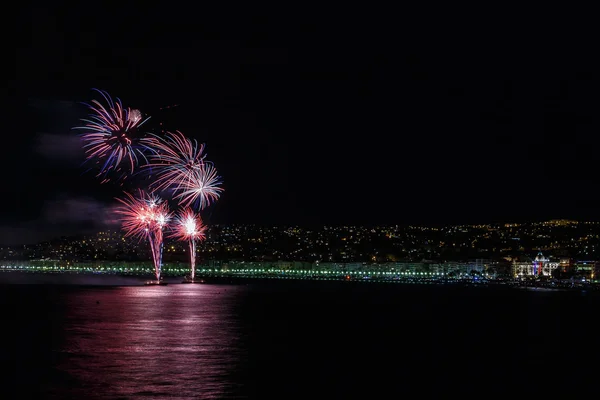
116	280
40	278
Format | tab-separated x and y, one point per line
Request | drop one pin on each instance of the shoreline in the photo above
116	280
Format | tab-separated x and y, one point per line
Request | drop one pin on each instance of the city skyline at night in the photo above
388	243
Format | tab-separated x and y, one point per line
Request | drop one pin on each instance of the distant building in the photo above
540	266
565	263
587	269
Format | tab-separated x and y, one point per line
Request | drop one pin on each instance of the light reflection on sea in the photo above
179	341
284	340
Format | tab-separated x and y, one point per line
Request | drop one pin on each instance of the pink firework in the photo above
175	158
201	189
189	227
145	216
110	135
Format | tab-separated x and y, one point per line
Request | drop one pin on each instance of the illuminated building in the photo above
540	266
587	269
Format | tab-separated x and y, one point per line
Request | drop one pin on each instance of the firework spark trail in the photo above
145	216
155	238
189	226
175	158
181	166
201	189
110	134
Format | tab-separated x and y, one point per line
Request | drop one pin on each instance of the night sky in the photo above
316	118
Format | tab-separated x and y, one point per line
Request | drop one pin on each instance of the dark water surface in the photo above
295	340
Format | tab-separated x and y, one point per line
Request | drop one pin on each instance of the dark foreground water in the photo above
295	340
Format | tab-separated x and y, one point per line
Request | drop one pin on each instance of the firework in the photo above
175	159
201	189
145	216
189	227
110	135
180	165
